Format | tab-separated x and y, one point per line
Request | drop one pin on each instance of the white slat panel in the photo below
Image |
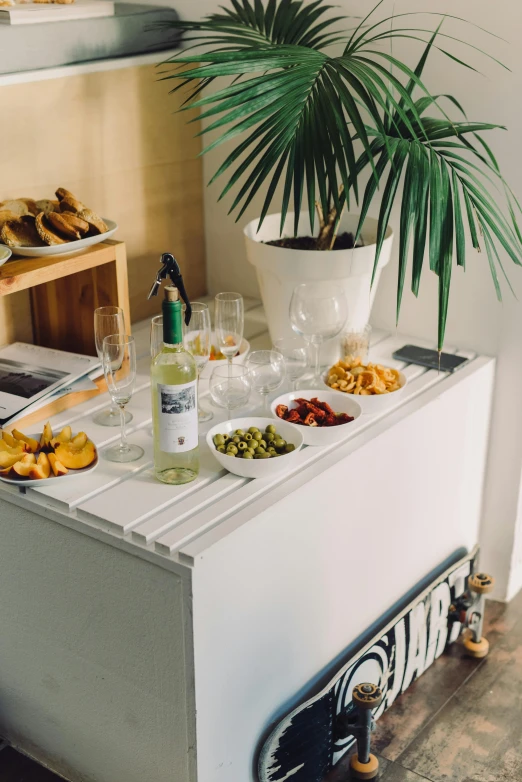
143	496
148	530
418	381
171	541
201	532
70	493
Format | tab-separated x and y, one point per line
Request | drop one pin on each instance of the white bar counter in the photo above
155	633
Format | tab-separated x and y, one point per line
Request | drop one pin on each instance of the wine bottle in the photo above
174	400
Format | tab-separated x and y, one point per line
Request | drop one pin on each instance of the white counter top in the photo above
125	506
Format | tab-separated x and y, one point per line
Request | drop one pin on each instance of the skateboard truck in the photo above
360	724
469	610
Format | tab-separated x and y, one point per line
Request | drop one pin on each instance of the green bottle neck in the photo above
172	323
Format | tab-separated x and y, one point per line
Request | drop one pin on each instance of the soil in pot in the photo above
344	241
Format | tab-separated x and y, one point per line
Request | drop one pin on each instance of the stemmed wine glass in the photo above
156	335
230	386
293	350
197	340
318	312
229	319
267	372
119	366
108	320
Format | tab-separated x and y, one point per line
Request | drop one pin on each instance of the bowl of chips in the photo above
374	385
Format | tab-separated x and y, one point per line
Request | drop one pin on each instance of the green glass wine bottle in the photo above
174	400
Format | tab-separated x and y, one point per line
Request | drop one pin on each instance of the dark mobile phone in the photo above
413	354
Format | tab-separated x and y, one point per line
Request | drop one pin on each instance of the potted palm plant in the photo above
338	121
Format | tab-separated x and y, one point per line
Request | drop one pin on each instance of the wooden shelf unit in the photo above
65	291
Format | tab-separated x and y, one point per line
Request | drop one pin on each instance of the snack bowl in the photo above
257	468
321	435
376	403
5	254
53	480
243	353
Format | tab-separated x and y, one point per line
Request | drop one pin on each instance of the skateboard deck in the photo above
306	745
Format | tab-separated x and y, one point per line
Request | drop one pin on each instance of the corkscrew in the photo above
170	268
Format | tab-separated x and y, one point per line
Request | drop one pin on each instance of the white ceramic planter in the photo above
279	270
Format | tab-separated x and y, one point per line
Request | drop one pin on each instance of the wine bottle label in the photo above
178	417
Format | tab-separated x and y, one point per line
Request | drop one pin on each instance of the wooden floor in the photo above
461	722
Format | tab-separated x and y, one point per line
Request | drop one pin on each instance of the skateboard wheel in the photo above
481	583
476	648
367	696
364	770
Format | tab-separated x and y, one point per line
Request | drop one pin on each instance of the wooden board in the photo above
114	139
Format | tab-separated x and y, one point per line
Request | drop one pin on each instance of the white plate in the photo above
68	247
5	254
28	483
256	468
321	435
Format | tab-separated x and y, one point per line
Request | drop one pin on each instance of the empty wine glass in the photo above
156	335
108	320
318	312
229	319
295	354
197	340
230	387
119	366
267	372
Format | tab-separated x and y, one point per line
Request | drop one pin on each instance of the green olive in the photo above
262	443
289	447
248	455
230	453
225	437
270	429
232	449
253	430
218	439
242	447
220	448
264	455
257	436
279	444
239	432
269	437
247	437
272	451
259	449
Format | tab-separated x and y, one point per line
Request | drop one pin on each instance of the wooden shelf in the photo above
65	291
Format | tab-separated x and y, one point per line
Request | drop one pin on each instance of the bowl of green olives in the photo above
255	447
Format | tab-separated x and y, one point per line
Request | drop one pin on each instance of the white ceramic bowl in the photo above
5	254
243	353
321	435
371	405
256	468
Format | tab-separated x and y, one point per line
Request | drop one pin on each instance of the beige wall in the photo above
113	139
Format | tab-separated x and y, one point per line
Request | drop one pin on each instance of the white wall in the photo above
475	319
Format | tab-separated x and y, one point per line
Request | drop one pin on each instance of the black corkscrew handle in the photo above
170	268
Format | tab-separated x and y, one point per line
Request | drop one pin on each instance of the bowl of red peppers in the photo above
324	417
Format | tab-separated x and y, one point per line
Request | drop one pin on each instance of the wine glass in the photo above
318	311
119	366
229	319
197	340
156	335
230	386
267	372
293	350
108	320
